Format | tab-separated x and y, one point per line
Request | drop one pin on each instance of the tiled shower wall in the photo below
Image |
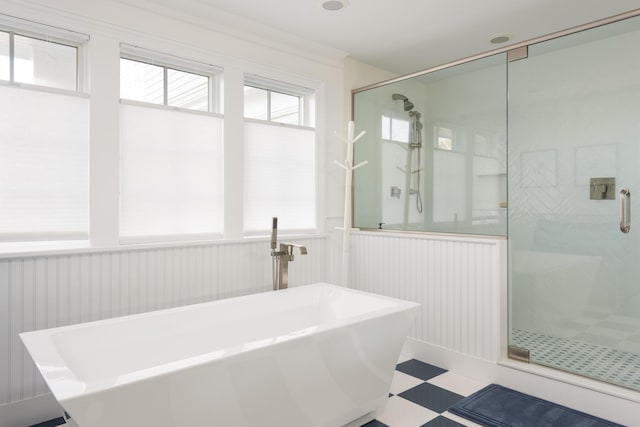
457	281
49	291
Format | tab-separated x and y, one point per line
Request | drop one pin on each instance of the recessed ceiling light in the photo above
334	4
502	38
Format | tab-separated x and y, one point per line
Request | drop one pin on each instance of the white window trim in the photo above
153	57
87	62
149	56
278	124
171	238
42	31
169	108
47	89
302	92
48	33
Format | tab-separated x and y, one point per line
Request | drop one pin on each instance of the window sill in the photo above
39	249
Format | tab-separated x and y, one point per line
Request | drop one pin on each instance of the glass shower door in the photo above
573	160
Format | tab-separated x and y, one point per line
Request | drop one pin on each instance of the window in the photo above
43	169
141	82
394	129
158	84
171	158
265	104
444	138
25	59
279	145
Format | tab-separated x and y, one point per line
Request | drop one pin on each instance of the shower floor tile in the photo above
603	358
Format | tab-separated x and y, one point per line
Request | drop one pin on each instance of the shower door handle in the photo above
625	210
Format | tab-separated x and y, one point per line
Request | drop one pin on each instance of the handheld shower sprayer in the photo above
415	144
274	233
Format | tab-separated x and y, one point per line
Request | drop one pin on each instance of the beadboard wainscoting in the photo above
456	279
38	292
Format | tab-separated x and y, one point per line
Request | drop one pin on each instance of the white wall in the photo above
456	279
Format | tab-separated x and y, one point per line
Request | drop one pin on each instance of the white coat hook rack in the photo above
348	168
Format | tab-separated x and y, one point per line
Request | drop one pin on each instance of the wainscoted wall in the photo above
49	291
457	281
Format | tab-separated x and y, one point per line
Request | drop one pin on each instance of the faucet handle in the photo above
290	246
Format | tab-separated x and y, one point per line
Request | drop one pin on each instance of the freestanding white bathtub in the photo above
317	355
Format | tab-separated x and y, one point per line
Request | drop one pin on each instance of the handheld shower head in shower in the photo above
408	105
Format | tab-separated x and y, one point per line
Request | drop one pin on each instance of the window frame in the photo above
167	62
306	96
306	121
301	102
12	26
48	35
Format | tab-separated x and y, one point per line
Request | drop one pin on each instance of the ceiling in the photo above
401	36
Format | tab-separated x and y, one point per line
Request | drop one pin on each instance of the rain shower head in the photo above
408	105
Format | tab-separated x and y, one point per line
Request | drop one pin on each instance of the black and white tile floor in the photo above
420	395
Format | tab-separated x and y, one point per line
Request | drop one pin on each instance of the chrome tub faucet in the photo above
281	255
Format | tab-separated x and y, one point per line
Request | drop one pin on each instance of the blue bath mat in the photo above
497	406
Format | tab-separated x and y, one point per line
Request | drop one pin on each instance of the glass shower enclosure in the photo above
574	234
539	143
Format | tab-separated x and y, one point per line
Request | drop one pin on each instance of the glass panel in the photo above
574	105
285	108
255	103
140	81
4	56
449	189
274	154
171	173
45	63
423	172
187	90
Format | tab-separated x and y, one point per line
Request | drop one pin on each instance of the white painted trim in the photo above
572	379
600	400
427	235
104	136
170	107
277	124
471	367
151	246
30	411
39	88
